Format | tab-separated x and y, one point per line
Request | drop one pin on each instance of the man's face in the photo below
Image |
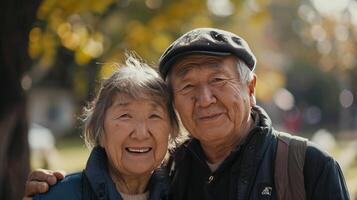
213	103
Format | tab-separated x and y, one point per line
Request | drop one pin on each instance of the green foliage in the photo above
86	39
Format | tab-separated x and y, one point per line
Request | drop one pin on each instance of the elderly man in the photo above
233	150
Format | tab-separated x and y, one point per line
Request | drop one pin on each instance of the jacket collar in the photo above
260	117
98	175
103	186
159	184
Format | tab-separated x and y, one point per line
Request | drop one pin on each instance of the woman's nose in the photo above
141	131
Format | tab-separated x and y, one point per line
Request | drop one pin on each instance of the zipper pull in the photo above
210	179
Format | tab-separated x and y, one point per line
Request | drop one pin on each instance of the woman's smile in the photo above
138	150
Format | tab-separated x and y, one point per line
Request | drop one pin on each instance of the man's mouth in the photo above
209	117
138	150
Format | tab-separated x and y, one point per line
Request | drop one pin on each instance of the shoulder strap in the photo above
289	167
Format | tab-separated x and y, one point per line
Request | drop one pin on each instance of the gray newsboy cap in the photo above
208	41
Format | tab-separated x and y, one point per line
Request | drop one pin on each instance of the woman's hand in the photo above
40	180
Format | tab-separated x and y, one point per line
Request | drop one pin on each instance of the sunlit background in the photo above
306	51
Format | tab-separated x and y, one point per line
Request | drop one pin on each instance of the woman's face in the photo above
136	134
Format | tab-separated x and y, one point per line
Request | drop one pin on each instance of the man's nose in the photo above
141	131
205	96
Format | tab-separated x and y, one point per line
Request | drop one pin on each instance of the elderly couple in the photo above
207	76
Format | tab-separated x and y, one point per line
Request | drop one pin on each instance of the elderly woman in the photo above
129	125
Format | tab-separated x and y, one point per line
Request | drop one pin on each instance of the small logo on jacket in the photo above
267	191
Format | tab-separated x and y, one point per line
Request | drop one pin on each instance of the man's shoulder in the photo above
319	162
315	154
317	159
68	188
323	175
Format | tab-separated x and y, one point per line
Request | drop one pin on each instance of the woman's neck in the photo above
129	184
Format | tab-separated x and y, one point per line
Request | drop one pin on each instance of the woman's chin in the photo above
139	172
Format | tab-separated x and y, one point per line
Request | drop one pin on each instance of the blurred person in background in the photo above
129	125
42	146
233	149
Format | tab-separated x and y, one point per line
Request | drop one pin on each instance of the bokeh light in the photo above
284	99
346	98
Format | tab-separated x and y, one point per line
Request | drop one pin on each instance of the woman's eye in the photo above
124	116
154	116
187	87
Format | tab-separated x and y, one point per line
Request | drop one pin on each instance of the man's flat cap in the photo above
207	41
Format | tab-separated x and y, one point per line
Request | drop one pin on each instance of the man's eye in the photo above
218	80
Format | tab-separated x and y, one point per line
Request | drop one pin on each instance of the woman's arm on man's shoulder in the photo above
40	180
68	188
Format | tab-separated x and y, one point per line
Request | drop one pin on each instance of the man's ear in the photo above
251	90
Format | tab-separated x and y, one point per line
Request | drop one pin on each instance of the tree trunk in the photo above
16	18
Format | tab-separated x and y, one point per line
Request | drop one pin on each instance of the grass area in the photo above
72	156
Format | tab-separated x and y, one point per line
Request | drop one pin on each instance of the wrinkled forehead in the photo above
125	98
214	64
186	64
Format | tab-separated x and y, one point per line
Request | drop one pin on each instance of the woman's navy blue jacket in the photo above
94	183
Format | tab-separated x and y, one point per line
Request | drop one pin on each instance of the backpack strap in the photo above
289	167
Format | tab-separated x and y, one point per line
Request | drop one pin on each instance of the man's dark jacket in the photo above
248	172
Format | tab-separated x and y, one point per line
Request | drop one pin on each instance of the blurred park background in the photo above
54	53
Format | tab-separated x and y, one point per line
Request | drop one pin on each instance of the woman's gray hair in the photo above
136	79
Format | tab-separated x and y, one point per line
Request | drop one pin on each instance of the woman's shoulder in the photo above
68	188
